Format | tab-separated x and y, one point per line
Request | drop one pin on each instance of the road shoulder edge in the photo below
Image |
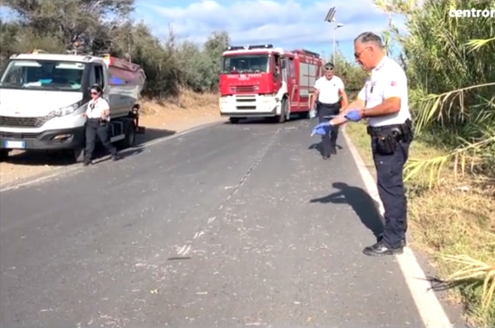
429	307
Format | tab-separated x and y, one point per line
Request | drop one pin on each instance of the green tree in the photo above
69	20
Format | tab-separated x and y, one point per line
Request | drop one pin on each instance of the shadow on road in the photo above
361	202
319	147
61	158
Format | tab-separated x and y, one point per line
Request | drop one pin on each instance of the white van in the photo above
43	96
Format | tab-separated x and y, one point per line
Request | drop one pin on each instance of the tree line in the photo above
84	26
105	26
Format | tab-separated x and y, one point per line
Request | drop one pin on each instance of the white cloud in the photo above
264	21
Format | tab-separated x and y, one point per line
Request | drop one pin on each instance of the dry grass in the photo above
453	223
187	101
180	113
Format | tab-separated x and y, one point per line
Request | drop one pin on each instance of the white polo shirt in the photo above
329	89
99	106
387	80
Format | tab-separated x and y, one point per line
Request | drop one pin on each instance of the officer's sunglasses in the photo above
358	54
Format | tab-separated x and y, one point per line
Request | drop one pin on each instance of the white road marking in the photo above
429	307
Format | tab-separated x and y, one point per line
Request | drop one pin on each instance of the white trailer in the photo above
43	97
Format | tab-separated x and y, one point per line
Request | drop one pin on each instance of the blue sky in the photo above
289	24
285	23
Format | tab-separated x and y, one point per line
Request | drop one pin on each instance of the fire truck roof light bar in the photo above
308	52
261	46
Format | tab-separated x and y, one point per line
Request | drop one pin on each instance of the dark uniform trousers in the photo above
389	164
325	113
95	127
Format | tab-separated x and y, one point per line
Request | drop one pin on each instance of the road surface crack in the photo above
183	251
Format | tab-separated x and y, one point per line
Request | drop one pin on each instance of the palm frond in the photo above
474	269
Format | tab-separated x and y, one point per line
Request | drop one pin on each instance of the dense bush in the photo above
450	65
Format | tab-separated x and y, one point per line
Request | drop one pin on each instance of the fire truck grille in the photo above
246	103
26	122
243	89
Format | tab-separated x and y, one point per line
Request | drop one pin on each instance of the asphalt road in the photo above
227	226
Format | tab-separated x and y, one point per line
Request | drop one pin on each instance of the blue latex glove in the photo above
321	129
354	115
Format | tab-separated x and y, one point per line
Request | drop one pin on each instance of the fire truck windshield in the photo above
245	63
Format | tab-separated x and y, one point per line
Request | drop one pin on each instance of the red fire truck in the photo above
263	81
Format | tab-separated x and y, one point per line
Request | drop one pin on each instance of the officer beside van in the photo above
98	124
326	98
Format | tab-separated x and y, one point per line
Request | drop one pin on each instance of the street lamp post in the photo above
339	25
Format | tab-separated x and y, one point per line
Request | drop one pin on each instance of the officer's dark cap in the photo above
328	67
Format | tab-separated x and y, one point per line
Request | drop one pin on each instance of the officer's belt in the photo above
402	129
328	105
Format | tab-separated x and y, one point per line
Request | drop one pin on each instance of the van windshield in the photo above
43	75
245	64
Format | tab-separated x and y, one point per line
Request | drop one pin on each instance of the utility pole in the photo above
331	19
339	25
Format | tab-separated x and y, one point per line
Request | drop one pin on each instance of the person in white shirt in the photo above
383	101
326	98
97	124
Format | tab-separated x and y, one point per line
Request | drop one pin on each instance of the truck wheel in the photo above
129	138
234	120
4	154
283	112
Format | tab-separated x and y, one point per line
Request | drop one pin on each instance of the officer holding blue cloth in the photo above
383	101
326	100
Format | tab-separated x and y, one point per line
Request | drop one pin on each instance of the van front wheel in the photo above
4	154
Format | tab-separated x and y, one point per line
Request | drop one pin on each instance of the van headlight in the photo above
66	110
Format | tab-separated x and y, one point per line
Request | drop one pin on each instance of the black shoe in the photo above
87	163
379	249
115	157
403	242
334	150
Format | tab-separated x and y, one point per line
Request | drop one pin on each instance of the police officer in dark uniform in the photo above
383	101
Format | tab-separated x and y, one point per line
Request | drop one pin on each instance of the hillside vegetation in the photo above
67	26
